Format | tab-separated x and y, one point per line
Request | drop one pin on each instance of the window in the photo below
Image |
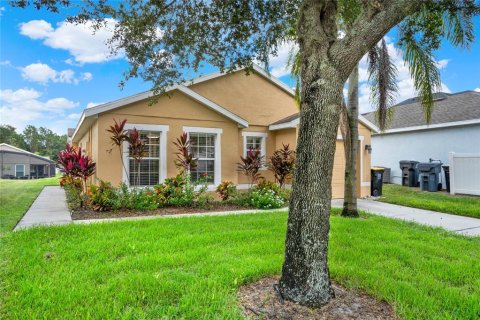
151	170
19	170
203	148
254	140
147	171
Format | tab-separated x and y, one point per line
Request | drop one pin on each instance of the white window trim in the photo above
218	151
163	129
16	169
262	135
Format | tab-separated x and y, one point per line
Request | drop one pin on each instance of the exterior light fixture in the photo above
368	147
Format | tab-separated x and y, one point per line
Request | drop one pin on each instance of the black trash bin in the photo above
409	173
376	181
446	169
429	175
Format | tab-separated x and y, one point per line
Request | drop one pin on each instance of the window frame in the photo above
263	135
217	178
163	130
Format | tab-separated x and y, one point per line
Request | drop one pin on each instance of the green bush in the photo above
180	192
226	190
266	199
73	192
104	197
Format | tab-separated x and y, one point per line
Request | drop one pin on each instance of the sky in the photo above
50	71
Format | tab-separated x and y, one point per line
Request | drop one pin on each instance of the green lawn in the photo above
436	201
16	196
192	267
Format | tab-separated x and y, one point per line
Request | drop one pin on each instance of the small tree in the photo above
251	164
119	135
137	151
282	164
185	162
76	166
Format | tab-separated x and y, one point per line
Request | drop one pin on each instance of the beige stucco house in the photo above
224	115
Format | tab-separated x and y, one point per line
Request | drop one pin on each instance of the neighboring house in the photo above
16	163
454	127
224	115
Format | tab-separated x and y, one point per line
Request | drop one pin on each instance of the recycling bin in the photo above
429	175
446	170
409	173
376	181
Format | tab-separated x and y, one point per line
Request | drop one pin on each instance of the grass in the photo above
436	201
16	196
191	268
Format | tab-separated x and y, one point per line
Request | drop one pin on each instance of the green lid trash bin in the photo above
376	181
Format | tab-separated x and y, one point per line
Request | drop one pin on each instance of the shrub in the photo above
266	199
104	197
282	164
73	192
251	164
226	190
180	192
76	165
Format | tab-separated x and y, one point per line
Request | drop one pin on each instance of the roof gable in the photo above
293	120
8	148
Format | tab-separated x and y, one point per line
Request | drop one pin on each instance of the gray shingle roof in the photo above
447	108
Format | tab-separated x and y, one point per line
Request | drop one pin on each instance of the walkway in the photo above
462	225
50	208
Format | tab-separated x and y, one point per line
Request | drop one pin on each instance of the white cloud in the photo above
78	40
2	9
74	116
477	89
5	63
93	104
278	63
43	73
23	106
442	64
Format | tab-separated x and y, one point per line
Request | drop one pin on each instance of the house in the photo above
454	127
16	163
224	115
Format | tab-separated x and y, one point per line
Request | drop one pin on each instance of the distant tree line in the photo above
41	140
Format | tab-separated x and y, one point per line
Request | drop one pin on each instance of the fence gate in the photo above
465	173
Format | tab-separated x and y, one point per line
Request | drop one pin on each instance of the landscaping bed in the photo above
85	213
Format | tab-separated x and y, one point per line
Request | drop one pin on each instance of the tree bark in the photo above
326	63
351	148
305	275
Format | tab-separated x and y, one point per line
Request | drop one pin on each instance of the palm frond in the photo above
383	76
293	62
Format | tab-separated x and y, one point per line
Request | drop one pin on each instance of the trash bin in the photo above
409	173
376	181
429	175
446	169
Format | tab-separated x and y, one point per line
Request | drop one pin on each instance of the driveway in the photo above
462	225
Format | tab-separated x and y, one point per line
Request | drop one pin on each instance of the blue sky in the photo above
50	71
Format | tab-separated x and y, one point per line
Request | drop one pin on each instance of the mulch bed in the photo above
84	214
259	300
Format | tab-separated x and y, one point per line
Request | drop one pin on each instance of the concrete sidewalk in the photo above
50	208
462	225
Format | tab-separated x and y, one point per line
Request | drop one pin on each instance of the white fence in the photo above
465	173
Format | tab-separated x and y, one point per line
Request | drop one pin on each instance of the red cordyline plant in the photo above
138	151
282	164
185	162
76	165
118	136
251	164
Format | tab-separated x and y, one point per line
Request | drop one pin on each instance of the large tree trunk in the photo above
326	63
351	148
305	276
